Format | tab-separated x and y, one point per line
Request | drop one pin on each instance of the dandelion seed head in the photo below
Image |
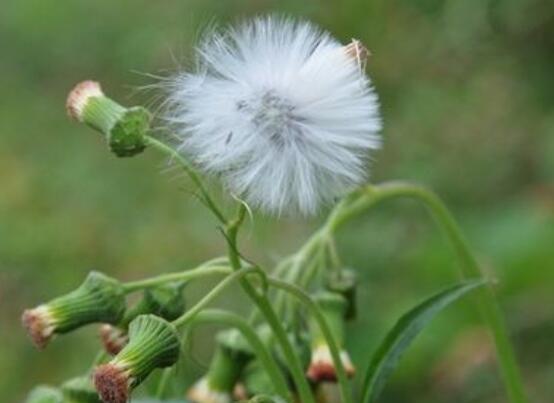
279	110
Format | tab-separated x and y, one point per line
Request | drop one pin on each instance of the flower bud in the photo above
344	282
153	343
113	338
123	127
333	307
44	394
98	299
357	52
231	356
165	301
80	390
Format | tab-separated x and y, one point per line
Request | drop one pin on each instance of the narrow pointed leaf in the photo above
401	336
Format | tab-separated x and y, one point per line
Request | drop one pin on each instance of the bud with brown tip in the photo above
99	299
322	368
153	343
125	128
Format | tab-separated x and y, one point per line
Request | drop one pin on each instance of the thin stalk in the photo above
267	310
214	292
202	271
490	310
170	152
262	353
304	298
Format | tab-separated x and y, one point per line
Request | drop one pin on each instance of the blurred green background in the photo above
467	93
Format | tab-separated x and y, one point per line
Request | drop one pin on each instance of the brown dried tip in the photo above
322	368
358	52
39	326
113	338
79	96
112	383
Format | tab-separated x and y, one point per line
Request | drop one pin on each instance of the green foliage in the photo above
467	92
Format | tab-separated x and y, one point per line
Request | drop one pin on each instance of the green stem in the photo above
491	312
214	292
267	310
299	294
165	149
263	355
201	271
163	383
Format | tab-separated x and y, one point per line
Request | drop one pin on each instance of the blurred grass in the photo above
467	94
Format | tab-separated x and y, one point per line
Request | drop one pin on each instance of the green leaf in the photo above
401	336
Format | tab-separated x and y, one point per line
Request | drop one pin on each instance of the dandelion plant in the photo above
286	117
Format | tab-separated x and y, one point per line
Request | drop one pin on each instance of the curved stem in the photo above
298	293
268	312
214	292
173	154
262	353
491	312
201	271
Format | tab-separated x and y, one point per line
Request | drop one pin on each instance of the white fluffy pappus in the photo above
280	111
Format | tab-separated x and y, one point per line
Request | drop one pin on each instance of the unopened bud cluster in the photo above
165	301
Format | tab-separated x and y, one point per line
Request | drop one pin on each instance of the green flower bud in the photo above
344	283
333	307
125	128
165	301
44	394
80	390
231	356
153	343
98	299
